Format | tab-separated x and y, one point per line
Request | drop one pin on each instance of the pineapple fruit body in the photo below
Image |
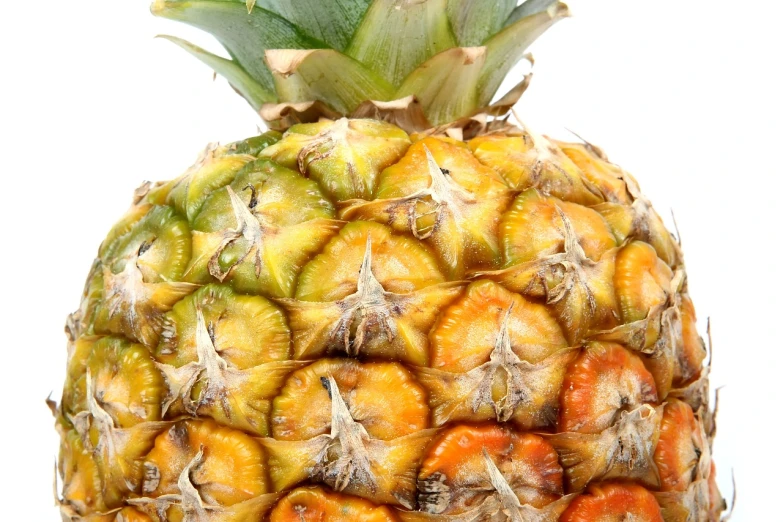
348	322
394	306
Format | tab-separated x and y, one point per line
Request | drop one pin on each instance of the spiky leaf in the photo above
528	8
473	22
239	79
246	36
506	48
397	35
446	84
331	22
326	75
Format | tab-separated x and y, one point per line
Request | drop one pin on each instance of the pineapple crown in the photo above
417	62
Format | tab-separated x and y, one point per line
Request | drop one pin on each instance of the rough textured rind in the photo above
507	325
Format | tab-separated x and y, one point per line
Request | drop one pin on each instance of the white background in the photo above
684	94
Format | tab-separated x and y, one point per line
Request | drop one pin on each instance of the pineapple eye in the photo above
532	161
199	461
604	380
123	377
609	178
680	448
303	409
130	514
692	350
614	502
247	330
212	172
225	356
333	423
467	331
496	356
533	228
258	239
440	194
159	241
642	281
345	156
467	466
398	263
80	474
368	293
316	504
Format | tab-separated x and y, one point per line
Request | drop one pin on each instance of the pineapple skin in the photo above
347	322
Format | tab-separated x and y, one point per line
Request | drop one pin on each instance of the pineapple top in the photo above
437	60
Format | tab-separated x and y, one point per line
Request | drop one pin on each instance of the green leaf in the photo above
396	36
242	82
446	84
473	22
528	8
507	47
244	35
331	21
325	75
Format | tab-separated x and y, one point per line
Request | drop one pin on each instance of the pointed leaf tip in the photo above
508	46
324	75
446	84
284	62
236	76
245	33
532	7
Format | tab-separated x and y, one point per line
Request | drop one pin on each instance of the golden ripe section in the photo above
642	281
439	193
533	228
224	466
317	504
691	358
345	322
303	411
400	264
532	160
468	330
129	514
609	178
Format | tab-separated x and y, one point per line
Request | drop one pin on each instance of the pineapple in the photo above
393	306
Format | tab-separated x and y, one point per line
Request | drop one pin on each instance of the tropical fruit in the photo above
393	306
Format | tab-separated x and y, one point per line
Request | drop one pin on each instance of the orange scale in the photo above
614	503
316	504
603	381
